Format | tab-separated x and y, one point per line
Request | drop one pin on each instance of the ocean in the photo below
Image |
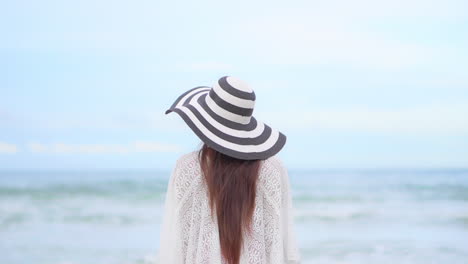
341	216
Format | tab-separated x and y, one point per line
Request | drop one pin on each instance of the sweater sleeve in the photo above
291	251
169	242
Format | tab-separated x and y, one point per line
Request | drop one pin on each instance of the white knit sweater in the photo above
189	233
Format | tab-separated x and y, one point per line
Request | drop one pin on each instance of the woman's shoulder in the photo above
273	169
188	165
274	163
186	173
187	158
273	176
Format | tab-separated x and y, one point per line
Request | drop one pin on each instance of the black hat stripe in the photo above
188	98
182	97
230	107
225	113
226	122
266	133
191	91
271	140
228	151
255	132
240	102
201	101
224	84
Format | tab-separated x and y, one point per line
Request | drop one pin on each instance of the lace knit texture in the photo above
189	233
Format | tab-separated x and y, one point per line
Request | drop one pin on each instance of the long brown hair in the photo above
231	186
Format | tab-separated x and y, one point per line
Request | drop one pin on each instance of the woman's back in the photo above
190	233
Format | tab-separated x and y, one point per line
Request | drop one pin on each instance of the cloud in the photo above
99	120
8	148
37	147
428	119
134	147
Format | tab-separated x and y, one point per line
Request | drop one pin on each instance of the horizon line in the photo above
295	169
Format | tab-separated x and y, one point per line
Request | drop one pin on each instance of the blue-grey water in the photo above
347	216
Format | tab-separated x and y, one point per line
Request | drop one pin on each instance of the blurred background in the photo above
372	95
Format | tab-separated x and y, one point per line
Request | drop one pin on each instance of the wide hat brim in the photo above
251	141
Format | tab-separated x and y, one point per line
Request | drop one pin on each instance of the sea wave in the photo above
454	191
111	189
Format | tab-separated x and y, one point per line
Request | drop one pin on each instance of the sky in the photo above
352	84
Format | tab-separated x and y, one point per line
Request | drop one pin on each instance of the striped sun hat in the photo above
221	116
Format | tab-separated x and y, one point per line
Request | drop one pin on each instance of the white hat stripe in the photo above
238	84
226	114
244	103
183	99
240	148
229	131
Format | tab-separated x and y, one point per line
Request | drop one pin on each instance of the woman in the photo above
230	201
